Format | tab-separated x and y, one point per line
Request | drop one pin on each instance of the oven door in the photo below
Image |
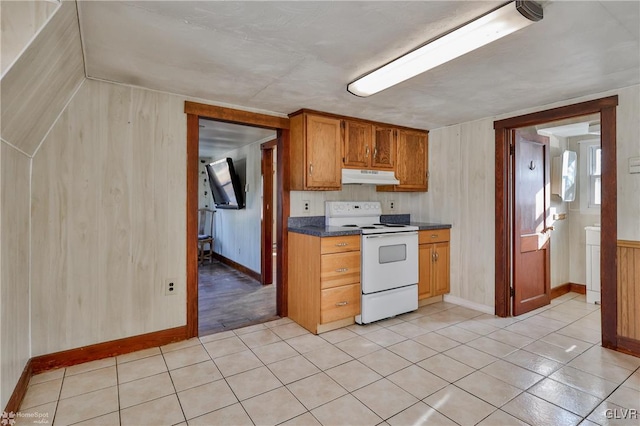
389	261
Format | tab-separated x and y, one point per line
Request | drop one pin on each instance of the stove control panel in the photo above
352	208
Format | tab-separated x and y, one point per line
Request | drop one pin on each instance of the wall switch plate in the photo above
306	206
634	165
170	287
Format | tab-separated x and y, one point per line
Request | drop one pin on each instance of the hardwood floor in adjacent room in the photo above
229	299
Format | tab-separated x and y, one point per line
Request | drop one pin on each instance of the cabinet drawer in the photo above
339	302
339	244
338	269
433	236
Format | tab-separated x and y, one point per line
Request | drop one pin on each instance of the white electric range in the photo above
389	259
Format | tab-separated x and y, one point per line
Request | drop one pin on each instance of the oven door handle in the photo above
392	234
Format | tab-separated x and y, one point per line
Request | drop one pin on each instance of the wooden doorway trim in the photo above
266	238
606	107
194	112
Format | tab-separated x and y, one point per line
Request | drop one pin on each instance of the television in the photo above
225	185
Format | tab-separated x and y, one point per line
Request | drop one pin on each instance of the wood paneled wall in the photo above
108	219
14	267
42	80
629	289
21	20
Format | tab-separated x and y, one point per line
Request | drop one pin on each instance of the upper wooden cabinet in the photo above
367	146
358	137
322	144
412	162
384	148
316	143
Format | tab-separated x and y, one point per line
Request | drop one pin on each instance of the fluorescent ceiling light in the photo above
485	29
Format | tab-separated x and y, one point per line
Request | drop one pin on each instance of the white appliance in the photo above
593	264
389	259
372	177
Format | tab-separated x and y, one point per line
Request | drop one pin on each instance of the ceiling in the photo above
283	56
218	138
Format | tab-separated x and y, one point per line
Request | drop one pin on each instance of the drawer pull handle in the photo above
342	269
434	235
342	303
342	244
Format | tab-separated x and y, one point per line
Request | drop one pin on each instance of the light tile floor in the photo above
443	364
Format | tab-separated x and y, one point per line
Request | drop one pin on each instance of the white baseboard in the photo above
469	304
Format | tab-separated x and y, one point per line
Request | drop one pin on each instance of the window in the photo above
595	175
589	176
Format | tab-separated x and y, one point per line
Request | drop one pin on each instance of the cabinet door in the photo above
323	143
412	160
441	268
338	269
339	302
384	148
357	144
425	260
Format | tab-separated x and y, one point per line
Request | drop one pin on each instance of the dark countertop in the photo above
429	225
337	231
323	231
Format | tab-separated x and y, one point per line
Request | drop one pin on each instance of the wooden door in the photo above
384	148
323	147
266	251
412	160
357	144
531	257
441	268
425	259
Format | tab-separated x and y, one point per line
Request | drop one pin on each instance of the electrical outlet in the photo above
170	287
391	204
306	206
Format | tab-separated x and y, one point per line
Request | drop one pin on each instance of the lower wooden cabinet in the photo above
339	303
324	280
433	258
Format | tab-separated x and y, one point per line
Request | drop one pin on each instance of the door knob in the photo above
548	228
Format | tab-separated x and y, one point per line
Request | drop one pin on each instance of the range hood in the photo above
372	177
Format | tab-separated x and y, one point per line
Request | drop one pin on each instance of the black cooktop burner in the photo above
391	225
367	227
349	226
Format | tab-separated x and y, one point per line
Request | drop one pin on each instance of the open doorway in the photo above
237	252
576	199
234	287
602	111
557	181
